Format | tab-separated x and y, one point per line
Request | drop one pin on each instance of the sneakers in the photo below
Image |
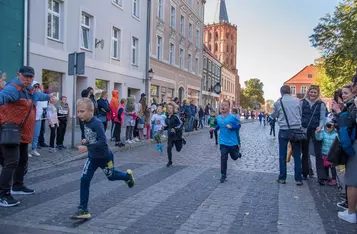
299	183
136	139
322	182
22	191
30	156
169	164
184	141
343	205
52	150
120	144
333	183
223	178
128	142
130	182
81	214
281	181
8	201
311	173
159	148
304	177
35	153
61	147
351	218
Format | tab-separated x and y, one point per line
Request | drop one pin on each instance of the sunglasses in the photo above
36	86
329	125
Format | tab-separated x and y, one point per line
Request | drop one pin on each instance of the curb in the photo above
116	149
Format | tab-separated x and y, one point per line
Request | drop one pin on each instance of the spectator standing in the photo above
63	115
17	101
103	109
52	118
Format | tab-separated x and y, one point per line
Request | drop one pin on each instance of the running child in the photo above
327	136
227	124
99	156
158	121
212	123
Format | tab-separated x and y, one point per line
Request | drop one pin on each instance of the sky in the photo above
273	37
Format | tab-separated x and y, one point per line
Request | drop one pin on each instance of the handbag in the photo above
296	135
336	155
10	133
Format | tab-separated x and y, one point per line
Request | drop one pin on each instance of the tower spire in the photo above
221	12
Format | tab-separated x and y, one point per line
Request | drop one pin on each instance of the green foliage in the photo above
252	93
336	37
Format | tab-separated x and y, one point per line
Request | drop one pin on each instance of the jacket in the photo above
62	111
98	148
293	112
52	116
173	122
327	139
346	122
114	104
103	107
307	109
15	102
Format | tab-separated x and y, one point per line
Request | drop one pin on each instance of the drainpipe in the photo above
147	64
26	52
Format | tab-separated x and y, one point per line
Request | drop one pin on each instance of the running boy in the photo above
99	155
228	140
212	123
158	120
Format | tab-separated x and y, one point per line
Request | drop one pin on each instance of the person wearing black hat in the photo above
92	97
17	107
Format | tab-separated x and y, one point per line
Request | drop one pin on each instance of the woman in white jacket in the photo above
52	118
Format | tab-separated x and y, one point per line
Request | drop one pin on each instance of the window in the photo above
160	9
173	17
181	58
159	48
53	19
293	90
232	49
303	89
134	51
182	25
136	8
309	75
197	65
116	37
189	62
204	81
198	38
172	54
190	31
118	2
86	25
204	62
227	48
209	66
216	47
52	83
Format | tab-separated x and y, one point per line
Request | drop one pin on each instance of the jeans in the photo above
206	120
190	120
170	143
117	131
321	173
333	172
36	135
272	130
89	169
283	151
14	169
200	125
61	131
225	150
215	135
41	138
129	132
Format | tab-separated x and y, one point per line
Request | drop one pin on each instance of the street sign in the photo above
76	63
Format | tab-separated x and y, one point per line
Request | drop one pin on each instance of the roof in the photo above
302	77
221	12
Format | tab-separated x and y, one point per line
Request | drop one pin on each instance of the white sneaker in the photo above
136	139
351	218
52	150
30	156
35	153
128	142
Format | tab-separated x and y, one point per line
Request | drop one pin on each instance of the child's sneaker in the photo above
130	182
343	205
160	148
81	214
332	183
157	146
223	178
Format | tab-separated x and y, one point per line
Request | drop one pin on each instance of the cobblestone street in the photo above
186	198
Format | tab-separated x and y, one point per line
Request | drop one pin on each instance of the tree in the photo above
243	99
336	37
252	93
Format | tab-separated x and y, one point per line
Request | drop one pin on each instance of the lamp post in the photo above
148	81
147	64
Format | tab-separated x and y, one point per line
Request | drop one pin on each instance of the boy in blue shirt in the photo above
228	124
99	156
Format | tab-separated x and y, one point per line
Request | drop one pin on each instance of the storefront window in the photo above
52	83
154	91
100	86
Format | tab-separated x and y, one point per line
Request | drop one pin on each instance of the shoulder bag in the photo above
336	155
296	135
10	133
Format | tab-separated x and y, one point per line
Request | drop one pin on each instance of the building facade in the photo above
301	82
111	33
221	40
13	40
211	82
176	49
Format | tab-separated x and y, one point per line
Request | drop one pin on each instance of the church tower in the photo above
221	37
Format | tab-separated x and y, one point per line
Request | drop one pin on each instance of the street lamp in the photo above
151	74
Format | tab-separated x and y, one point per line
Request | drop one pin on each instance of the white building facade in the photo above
112	33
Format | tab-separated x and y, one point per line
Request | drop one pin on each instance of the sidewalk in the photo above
48	159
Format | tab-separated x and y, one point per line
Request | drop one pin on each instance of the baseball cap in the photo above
27	71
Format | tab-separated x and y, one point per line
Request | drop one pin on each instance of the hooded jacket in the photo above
16	101
114	105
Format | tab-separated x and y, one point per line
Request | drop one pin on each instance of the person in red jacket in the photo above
114	107
17	105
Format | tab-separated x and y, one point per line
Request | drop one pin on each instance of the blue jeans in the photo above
89	169
191	120
283	151
36	134
206	120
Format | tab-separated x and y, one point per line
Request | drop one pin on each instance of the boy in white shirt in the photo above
159	121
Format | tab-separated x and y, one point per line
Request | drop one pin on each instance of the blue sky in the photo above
273	37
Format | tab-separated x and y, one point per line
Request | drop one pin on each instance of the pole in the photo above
147	64
74	112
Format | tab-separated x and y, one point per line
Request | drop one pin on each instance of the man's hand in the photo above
228	126
318	129
84	141
336	107
82	148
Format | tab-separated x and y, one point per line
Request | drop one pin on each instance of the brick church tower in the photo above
221	37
